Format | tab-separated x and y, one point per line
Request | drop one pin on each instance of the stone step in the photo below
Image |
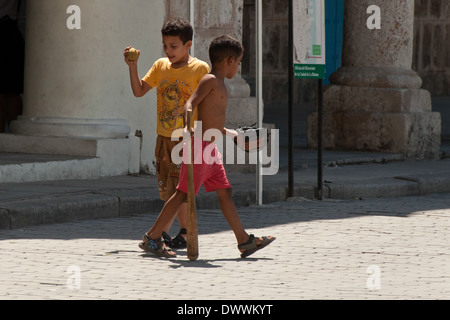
27	158
19	167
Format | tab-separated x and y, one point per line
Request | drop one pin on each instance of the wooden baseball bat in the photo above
192	232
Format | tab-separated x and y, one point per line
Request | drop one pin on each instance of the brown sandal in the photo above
251	245
156	247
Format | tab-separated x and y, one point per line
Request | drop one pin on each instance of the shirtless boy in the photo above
211	99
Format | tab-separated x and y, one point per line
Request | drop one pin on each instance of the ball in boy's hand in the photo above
132	54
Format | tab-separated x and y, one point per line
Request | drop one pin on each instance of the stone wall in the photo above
432	45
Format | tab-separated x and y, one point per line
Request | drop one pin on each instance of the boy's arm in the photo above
230	132
204	88
139	87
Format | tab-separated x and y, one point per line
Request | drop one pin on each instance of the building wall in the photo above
143	32
432	45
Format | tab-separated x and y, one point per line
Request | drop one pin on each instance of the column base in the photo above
242	108
376	77
375	119
241	112
69	127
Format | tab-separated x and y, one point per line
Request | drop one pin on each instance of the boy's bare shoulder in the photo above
209	79
209	76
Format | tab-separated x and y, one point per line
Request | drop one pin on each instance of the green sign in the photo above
309	71
309	39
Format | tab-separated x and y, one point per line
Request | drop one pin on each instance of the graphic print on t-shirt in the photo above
174	95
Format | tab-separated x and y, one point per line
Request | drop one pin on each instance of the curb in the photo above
65	208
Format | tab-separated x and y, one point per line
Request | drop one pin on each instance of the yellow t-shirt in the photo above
174	88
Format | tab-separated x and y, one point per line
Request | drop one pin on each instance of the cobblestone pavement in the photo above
361	249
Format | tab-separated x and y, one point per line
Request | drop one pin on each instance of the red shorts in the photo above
210	172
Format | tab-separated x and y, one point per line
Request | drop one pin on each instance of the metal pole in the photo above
290	100
320	138
259	85
192	21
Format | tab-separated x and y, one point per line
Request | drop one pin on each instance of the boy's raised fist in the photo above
132	54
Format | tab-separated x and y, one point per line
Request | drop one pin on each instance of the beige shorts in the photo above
167	172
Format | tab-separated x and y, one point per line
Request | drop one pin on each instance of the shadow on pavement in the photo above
253	218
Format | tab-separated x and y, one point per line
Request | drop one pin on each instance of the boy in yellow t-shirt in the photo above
176	78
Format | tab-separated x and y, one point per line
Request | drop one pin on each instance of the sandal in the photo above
166	238
251	245
156	247
179	242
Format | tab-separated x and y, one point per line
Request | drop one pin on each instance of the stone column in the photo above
66	83
77	98
212	19
375	102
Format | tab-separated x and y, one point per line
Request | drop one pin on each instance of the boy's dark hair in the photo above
178	27
223	47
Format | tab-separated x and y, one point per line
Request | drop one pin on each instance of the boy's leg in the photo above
172	183
179	241
167	214
171	174
230	212
151	241
182	216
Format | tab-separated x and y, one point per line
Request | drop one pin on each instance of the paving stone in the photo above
324	250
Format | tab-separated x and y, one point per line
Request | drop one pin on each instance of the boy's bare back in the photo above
211	96
212	108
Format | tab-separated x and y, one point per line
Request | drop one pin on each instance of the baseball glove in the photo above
251	139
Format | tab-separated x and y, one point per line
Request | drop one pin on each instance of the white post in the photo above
192	21
259	85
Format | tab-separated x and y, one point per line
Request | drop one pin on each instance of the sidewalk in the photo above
390	249
347	175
